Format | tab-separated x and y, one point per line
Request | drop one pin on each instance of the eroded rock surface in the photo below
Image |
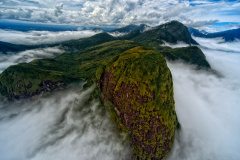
139	85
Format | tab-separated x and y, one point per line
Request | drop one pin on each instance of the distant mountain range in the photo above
130	28
26	26
228	36
171	32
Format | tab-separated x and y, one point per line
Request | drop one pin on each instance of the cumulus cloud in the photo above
63	126
42	37
208	106
232	26
196	24
59	9
118	13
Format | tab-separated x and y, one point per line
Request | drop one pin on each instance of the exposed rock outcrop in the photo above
139	85
135	82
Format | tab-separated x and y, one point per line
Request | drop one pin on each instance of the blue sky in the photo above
200	14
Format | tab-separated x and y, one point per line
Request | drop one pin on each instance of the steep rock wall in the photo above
139	85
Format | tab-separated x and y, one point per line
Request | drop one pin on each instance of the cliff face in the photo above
139	85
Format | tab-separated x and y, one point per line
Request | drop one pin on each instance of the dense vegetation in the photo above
139	85
135	84
6	47
76	45
24	80
171	32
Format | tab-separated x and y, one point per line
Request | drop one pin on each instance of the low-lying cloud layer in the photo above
63	126
219	44
208	106
7	60
178	45
36	38
42	37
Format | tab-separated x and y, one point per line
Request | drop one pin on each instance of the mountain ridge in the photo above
131	27
134	82
228	35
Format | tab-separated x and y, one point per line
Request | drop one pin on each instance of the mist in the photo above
7	60
177	45
117	34
42	37
208	105
66	125
219	44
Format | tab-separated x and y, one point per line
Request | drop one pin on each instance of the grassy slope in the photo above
76	45
25	78
171	32
191	54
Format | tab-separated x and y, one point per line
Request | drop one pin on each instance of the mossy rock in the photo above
139	85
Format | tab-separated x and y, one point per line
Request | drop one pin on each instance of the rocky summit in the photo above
139	86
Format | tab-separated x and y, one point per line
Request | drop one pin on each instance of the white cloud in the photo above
117	13
178	45
219	44
59	9
36	38
42	37
63	126
117	34
7	60
196	24
208	106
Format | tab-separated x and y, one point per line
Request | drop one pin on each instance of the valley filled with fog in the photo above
207	104
67	125
42	37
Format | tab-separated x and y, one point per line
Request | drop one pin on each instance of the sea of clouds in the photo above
7	60
62	126
208	105
36	38
65	126
42	37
